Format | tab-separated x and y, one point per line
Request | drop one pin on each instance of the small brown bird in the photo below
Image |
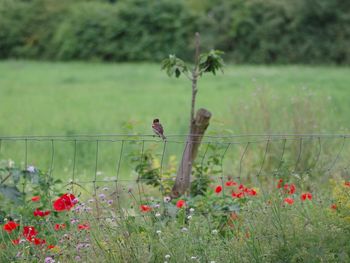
158	128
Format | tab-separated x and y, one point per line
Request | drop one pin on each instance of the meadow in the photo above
42	98
255	199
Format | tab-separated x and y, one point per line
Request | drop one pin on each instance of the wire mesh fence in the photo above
94	161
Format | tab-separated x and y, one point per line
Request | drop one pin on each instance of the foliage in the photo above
131	30
302	31
211	62
17	184
174	65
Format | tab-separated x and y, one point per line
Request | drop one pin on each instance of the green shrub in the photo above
256	31
132	30
302	31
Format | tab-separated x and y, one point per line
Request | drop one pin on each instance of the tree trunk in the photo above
183	177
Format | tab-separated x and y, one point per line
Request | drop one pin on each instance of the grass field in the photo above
39	98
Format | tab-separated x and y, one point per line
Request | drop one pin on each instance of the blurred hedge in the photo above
249	31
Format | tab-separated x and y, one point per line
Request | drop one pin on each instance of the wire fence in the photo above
105	159
105	169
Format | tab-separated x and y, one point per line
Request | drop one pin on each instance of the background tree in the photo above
203	63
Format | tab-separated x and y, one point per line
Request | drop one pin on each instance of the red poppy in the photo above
10	226
241	187
180	203
347	184
15	241
251	191
50	246
218	189
289	201
145	208
279	185
38	241
334	207
230	183
290	189
83	227
29	232
238	195
65	202
306	196
40	213
36	198
59	226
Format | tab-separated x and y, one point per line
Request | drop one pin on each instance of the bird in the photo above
158	128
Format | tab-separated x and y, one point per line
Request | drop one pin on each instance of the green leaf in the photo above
174	65
211	62
11	193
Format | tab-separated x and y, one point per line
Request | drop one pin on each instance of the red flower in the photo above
50	246
238	195
40	213
251	191
218	189
306	196
65	202
279	185
36	198
289	201
59	226
29	232
38	241
241	187
230	183
347	184
83	227
290	189
180	203
10	226
145	208
334	207
15	241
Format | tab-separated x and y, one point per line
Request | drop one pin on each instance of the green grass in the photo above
42	98
39	98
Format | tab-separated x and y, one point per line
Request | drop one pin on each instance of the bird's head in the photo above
156	121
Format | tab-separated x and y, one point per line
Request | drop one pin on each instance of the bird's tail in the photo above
163	137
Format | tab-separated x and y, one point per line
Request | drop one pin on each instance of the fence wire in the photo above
88	163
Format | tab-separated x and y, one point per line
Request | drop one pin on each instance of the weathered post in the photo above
183	177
